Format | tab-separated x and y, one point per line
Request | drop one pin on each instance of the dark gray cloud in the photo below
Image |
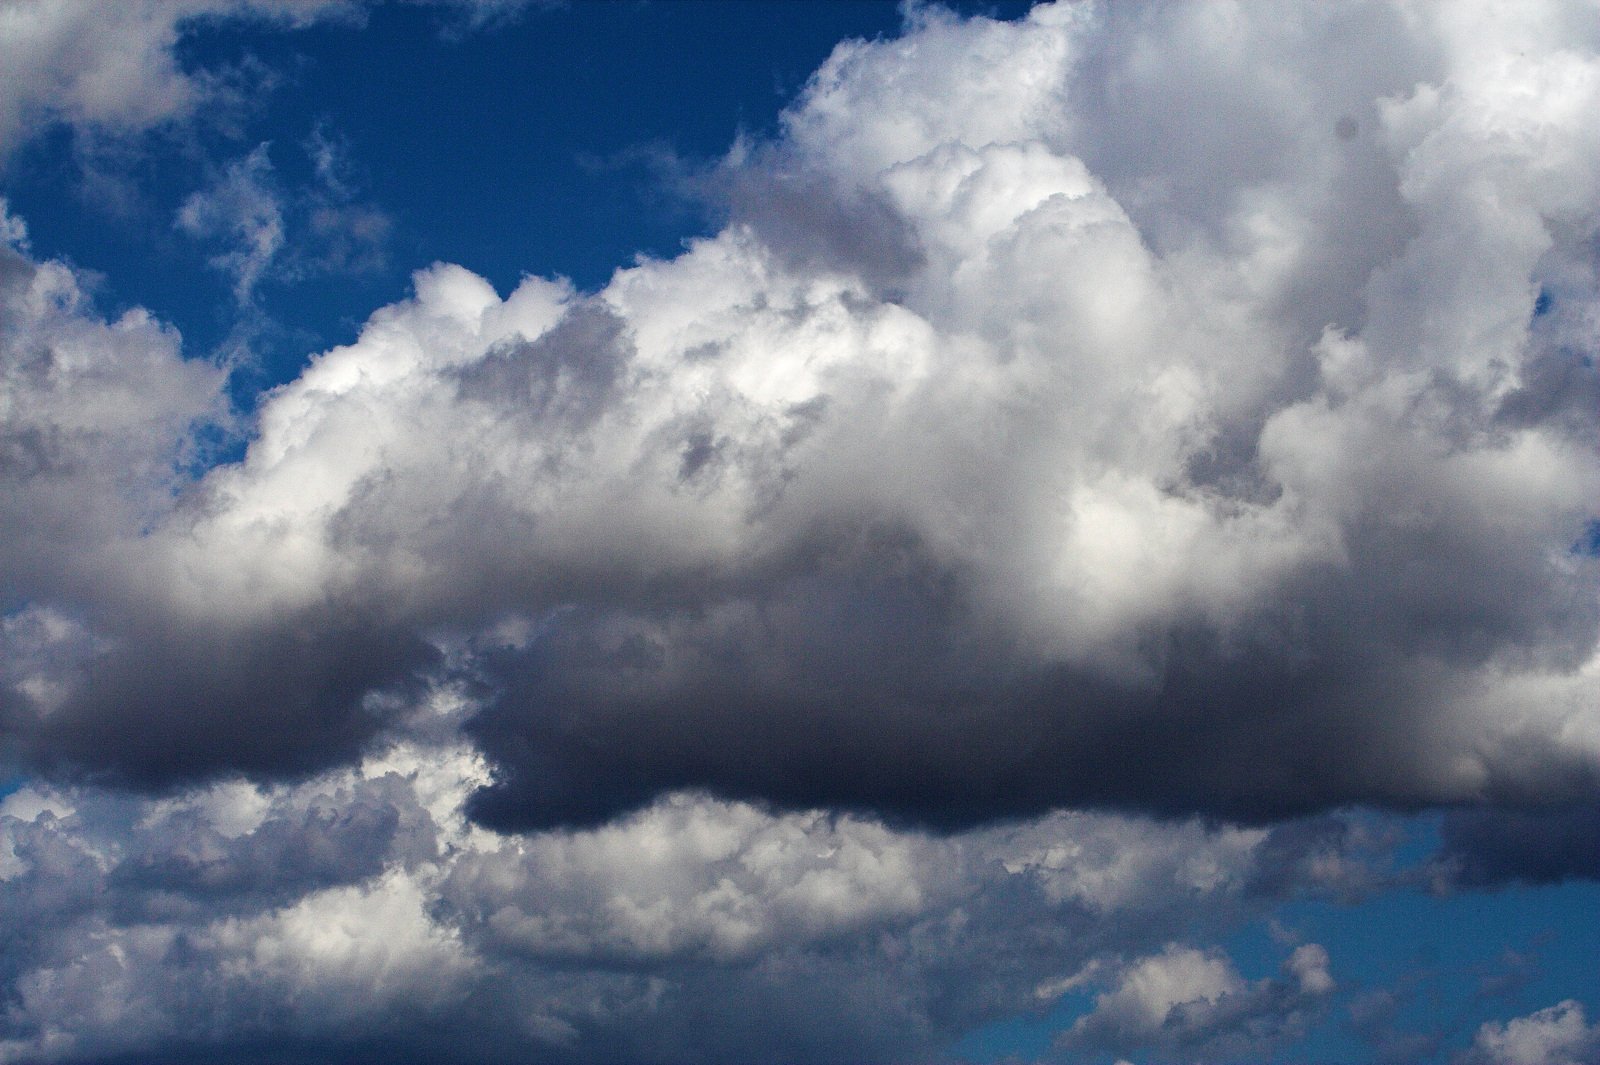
1499	846
293	696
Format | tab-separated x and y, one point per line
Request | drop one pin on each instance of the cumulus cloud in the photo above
1179	409
358	913
105	423
1194	1002
111	67
1006	450
1558	1035
100	420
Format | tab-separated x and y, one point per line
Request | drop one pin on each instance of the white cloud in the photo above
1309	964
358	905
1090	460
1190	1001
239	208
1557	1035
1151	989
111	67
692	878
351	953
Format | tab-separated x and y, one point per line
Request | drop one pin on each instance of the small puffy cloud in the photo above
1309	965
1195	1003
1557	1035
1151	989
111	67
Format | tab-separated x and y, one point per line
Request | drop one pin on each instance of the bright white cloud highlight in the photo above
1558	1035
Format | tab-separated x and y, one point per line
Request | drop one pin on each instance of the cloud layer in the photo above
1089	450
1120	428
357	916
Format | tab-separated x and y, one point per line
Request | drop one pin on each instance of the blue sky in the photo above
562	142
799	532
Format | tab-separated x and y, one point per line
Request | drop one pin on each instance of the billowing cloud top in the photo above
1184	409
1181	407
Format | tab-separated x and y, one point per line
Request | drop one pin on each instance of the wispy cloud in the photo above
268	235
241	210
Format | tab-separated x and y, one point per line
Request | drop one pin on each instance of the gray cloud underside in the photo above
1492	846
1164	407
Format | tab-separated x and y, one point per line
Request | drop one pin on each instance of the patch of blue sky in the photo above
1589	542
1028	1037
552	146
1415	968
1432	966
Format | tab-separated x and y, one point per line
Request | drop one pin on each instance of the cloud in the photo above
357	913
1100	469
105	423
344	235
473	15
1194	1002
101	420
1487	847
240	208
1174	410
265	234
112	68
1554	1036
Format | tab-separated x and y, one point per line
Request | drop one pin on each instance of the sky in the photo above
737	532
